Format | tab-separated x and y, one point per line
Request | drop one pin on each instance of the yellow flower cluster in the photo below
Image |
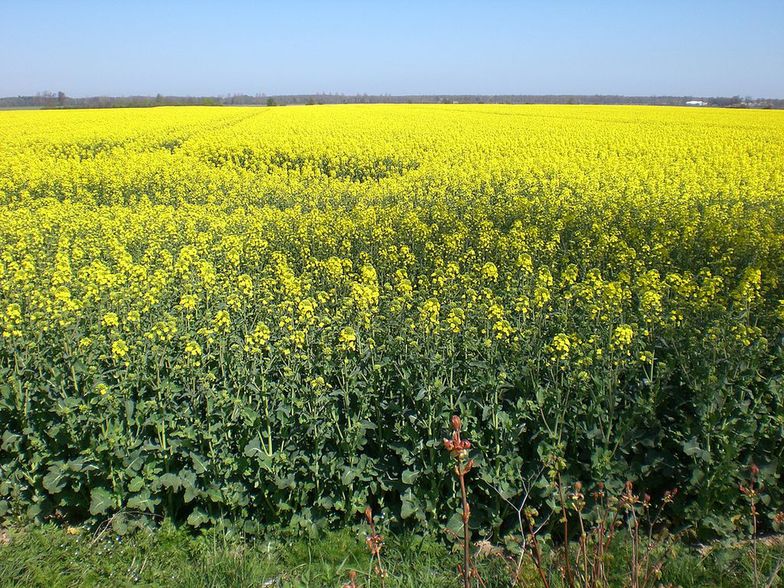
185	238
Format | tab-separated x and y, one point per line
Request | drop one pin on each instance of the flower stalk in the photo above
375	542
458	449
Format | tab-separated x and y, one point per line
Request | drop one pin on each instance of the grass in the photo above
50	556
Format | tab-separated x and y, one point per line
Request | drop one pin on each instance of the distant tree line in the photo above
60	100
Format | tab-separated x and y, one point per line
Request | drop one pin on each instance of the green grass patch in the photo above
50	556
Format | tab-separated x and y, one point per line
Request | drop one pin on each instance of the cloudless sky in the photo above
177	47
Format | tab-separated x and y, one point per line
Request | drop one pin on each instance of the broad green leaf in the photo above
101	500
141	501
54	480
410	506
170	481
197	518
120	523
409	477
135	485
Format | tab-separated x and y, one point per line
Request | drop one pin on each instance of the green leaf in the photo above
214	494
76	465
348	476
141	501
197	518
410	505
253	448
171	481
408	477
251	416
10	441
199	463
326	502
455	523
135	485
101	500
130	407
191	492
79	367
34	510
54	480
120	524
691	447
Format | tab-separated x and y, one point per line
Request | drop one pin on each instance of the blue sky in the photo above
115	47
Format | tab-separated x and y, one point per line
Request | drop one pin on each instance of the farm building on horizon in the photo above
696	103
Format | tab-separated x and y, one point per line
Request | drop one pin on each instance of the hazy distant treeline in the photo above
60	100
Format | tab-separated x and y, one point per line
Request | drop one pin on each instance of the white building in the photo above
696	103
